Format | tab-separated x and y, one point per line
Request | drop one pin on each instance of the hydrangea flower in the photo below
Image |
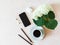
42	9
45	16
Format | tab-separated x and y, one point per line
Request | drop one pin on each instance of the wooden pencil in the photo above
26	35
24	39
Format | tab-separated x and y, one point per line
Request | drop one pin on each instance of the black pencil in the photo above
24	39
26	35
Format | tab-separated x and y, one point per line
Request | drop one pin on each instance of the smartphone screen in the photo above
24	19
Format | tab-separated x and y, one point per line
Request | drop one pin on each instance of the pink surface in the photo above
9	29
53	37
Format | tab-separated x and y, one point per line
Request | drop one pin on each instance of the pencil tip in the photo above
18	34
21	29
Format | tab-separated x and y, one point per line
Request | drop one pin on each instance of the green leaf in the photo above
39	22
45	17
51	15
51	24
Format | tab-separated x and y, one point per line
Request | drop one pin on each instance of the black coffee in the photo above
37	33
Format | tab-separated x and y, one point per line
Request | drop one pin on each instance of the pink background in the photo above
10	9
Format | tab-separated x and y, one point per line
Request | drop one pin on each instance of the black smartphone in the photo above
24	19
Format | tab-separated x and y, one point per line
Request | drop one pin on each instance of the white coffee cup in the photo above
36	33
